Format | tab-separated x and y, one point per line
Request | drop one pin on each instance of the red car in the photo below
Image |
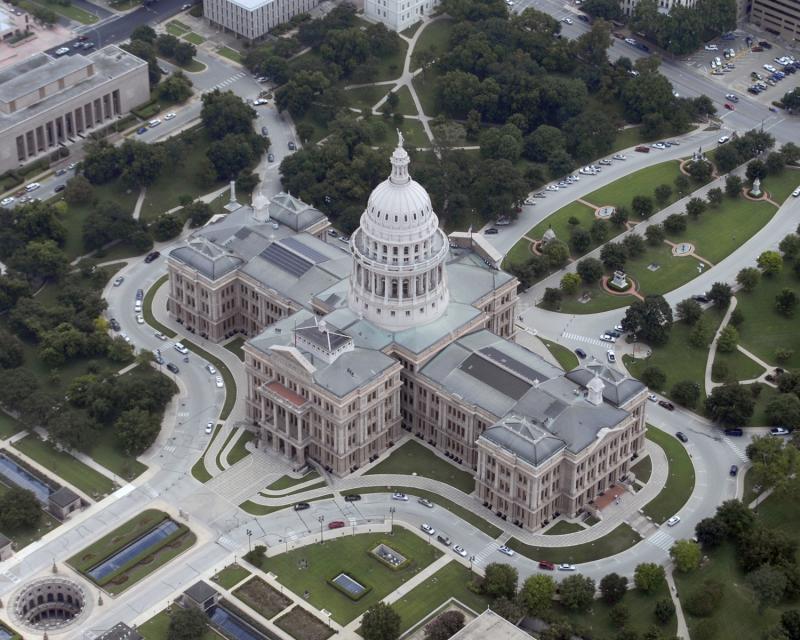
336	524
642	149
729	106
546	564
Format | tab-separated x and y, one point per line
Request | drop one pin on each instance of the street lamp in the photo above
321	520
391	515
249	535
471	559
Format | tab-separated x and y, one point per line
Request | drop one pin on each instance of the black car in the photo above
353	497
60	187
153	255
667	405
264	131
580	353
491	231
140	294
114	324
701	298
737	432
173	368
583	17
734	470
292	146
681	436
302	506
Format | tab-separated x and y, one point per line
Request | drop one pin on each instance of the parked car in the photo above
680	435
211	369
218	381
673	521
271	157
336	524
160	336
732	97
667	405
564	566
736	432
460	550
734	470
547	565
209	427
723	139
62	51
580	353
425	502
642	149
491	231
139	319
427	528
608	338
180	349
506	551
141	130
796	192
260	101
611	357
173	368
301	506
292	146
652	397
619	156
114	324
170	115
33	186
729	106
7	201
352	497
402	497
779	431
444	539
154	123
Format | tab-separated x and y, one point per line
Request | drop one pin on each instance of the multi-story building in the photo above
779	17
398	15
664	6
252	19
47	103
408	332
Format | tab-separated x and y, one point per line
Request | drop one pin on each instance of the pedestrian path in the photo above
662	540
586	339
244	479
736	449
484	553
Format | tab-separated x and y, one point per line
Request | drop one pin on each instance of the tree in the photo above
167	226
775	163
40	259
663	193
557	253
642	206
681	184
613	587
655	235
144	32
730	405
733	186
11	352
187	623
619	615
675	223
544	142
500	581
79	191
613	256
700	170
650	319
728	339
232	154
689	311
599	231
444	625
768	584
45	16
634	245
790	152
136	430
648	576
654	377
783	410
537	594
756	169
176	88
685	392
770	263
791	99
790	246
715	196
570	283
619	217
686	555
184	53
748	278
664	610
695	207
577	592
102	162
710	532
19	509
786	302
198	213
226	113
790	622
737	519
380	622
552	297
705	599
590	270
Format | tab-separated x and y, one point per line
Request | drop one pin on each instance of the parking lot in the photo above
737	79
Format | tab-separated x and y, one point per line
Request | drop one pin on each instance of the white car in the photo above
62	50
154	123
427	528
652	397
7	201
160	335
181	349
723	139
607	338
425	502
125	337
402	497
658	145
259	101
770	68
119	281
618	327
209	427
210	368
779	431
567	20
33	186
605	161
139	318
795	193
567	567
711	47
620	156
460	550
673	521
505	550
630	41
551	187
218	381
611	357
169	116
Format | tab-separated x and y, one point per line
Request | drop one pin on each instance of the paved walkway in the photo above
712	352
137	209
683	630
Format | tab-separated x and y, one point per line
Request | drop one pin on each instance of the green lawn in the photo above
643	469
287	482
147	308
764	330
620	193
415	458
255	509
781	186
562	526
199	468
70	12
460	512
599	301
23	536
759	418
318	120
719	232
157	628
230	54
519	254
365	97
231	575
106	451
194	38
617	541
566	358
389	66
239	450
680	482
739	366
235	347
9	425
678	359
451	581
671	274
65	466
176	28
559	222
625	138
435	39
350	554
425	85
406	105
225	443
222	369
414	133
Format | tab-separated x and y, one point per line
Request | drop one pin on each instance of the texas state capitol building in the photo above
405	332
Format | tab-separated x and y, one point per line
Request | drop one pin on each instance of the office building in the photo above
252	19
778	17
398	15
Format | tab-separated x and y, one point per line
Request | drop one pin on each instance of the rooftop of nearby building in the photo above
293	213
251	5
200	591
618	388
490	626
63	497
120	631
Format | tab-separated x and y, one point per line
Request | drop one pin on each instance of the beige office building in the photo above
779	17
252	19
47	103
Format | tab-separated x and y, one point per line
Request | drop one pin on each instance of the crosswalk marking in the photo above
586	339
662	540
741	454
169	449
227	542
226	82
10	576
484	553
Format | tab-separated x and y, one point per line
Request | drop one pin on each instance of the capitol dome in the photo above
399	279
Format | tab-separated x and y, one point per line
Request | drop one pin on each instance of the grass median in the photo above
147	308
413	458
617	541
255	509
199	470
680	482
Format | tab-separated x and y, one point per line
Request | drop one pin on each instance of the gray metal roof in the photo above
207	258
322	334
619	388
525	439
63	497
120	631
200	591
293	213
469	278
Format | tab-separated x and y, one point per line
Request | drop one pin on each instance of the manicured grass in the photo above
678	359
231	575
680	482
65	466
311	487
157	628
620	193
194	38
235	347
717	233
780	187
227	441
350	554
566	358
414	133
389	66
318	120
239	450
256	509
643	469
617	541
176	28
230	54
287	482
425	85
599	301
562	527
671	274
199	468
451	581
365	97
764	330
435	39
406	105
262	597
23	536
9	425
415	458
559	222
759	417
303	625
520	253
222	369
147	308
625	138
106	451
71	12
640	606
180	25
740	367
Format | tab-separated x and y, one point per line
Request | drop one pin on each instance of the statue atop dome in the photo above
400	140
